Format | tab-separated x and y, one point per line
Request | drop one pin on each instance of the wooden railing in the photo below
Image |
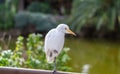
12	70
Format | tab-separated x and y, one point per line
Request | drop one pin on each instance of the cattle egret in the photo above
54	41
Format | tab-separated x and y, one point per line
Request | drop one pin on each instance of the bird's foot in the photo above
54	72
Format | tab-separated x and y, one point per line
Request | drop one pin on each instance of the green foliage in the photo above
98	13
32	56
19	43
39	7
22	19
11	58
35	47
7	12
41	21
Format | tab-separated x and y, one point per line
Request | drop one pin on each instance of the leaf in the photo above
66	49
101	21
111	23
99	13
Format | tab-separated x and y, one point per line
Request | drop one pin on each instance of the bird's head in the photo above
65	29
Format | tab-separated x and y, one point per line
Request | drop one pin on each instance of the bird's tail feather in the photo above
51	56
50	60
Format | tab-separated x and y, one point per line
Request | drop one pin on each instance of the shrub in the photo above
34	55
11	58
39	7
21	20
41	21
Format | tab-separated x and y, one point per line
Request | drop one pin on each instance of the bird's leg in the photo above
54	70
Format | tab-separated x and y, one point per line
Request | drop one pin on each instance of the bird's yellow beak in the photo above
70	32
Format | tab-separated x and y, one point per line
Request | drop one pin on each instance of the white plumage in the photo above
54	41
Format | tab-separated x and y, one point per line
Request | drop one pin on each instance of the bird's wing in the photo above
49	39
49	45
53	44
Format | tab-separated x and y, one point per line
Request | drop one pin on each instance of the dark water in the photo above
102	56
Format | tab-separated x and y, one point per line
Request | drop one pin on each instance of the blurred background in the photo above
95	49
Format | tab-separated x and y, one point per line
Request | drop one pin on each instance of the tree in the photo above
7	12
102	14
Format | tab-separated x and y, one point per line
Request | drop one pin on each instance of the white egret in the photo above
54	41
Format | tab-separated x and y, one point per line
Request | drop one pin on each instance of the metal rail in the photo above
12	70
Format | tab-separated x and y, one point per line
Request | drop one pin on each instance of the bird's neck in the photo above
61	32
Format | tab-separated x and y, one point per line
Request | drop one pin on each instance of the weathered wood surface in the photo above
12	70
